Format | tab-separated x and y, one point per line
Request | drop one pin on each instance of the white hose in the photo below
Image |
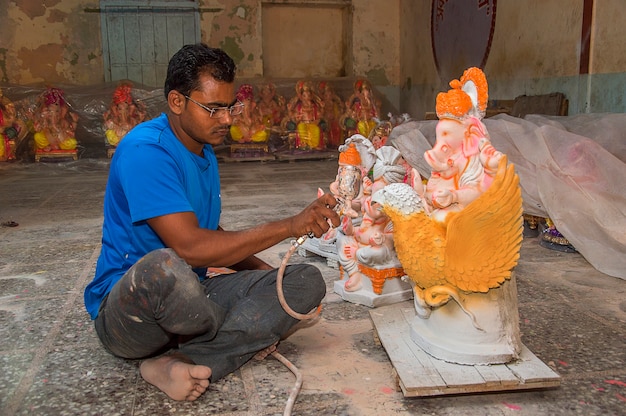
296	388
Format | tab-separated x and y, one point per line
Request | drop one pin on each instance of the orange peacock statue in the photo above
473	250
458	237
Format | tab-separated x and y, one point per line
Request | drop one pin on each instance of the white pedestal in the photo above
394	291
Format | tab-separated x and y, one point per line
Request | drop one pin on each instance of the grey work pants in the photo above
222	322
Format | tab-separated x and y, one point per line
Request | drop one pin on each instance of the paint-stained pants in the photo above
222	322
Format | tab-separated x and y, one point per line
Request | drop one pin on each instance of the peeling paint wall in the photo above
376	34
237	30
50	41
59	41
376	45
535	48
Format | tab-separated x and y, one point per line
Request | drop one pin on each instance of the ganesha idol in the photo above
123	114
458	237
55	125
333	110
362	109
248	127
12	128
270	106
304	118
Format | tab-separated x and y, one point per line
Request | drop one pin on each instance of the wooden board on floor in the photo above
421	375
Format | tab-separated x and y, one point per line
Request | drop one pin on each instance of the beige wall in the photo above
535	48
236	28
527	61
50	42
376	49
608	37
419	79
373	48
520	50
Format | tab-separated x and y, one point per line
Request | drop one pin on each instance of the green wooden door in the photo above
140	36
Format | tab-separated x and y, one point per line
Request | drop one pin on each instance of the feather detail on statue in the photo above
474	250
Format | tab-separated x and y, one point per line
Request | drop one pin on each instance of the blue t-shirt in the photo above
152	174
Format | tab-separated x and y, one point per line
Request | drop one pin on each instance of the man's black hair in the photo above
191	61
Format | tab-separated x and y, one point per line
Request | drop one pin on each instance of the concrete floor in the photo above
571	316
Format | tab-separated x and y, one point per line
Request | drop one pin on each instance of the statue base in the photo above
394	290
419	374
56	154
484	330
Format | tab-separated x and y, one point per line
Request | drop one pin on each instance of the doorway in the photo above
140	36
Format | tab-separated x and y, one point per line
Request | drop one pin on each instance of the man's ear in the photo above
176	102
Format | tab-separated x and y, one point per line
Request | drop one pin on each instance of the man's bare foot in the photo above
265	352
176	376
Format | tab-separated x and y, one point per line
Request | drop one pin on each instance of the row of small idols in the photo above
315	117
53	121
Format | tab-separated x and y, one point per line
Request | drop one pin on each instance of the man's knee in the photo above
308	279
163	267
165	256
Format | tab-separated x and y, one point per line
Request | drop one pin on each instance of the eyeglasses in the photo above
219	112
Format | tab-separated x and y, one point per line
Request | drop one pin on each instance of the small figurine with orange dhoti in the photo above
347	184
362	109
12	129
248	127
123	114
367	250
55	124
351	184
333	110
304	116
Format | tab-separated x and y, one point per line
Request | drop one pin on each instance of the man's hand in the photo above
201	247
317	218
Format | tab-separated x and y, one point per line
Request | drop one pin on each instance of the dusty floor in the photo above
571	316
